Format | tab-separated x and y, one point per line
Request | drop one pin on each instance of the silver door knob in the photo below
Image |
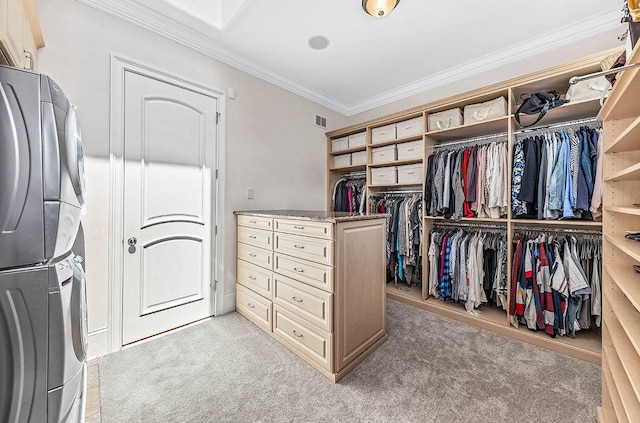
132	241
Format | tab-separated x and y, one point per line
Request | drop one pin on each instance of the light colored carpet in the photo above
432	369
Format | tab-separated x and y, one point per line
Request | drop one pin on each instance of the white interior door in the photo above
169	148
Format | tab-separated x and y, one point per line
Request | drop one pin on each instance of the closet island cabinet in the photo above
381	177
20	34
621	284
315	281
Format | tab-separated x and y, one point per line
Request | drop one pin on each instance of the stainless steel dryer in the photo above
43	317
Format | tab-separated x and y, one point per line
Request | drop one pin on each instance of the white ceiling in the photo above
369	62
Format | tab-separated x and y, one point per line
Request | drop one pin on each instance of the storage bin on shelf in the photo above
359	158
357	140
383	133
384	175
410	174
342	160
410	150
409	128
340	144
488	110
444	120
383	154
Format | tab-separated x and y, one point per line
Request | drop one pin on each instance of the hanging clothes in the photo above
467	182
349	195
558	175
404	236
556	283
468	266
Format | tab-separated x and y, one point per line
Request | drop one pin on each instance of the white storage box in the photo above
444	120
410	128
340	144
384	175
343	160
410	174
383	154
410	150
383	133
358	140
485	111
359	158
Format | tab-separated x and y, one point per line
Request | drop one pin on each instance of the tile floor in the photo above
93	393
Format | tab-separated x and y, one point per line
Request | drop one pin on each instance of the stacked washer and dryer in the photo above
43	318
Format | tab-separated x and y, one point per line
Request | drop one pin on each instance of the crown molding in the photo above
569	34
144	17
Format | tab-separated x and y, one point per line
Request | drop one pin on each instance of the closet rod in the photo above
355	175
473	140
469	225
547	229
575	79
557	125
399	193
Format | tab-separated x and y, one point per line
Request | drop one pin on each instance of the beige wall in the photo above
271	143
531	64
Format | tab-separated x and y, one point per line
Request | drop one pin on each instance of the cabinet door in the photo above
12	30
30	51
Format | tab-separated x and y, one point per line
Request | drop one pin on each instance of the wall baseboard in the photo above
98	341
228	304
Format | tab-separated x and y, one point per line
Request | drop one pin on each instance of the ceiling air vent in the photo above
321	121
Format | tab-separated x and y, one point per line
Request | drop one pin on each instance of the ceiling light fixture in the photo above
379	8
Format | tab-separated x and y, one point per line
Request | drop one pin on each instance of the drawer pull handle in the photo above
301	247
253	221
298	270
411	172
253	278
252	237
410	149
296	299
251	305
298	227
408	127
299	335
252	255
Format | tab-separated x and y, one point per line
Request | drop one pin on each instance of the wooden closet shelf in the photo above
623	99
413	293
398	141
606	416
347	151
627	280
635	211
627	246
626	353
472	130
349	168
632	173
575	223
396	185
621	416
396	163
587	344
467	219
629	400
628	140
626	314
567	112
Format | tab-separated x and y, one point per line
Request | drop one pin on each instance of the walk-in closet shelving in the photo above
587	344
621	284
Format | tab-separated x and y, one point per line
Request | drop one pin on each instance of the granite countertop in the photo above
310	215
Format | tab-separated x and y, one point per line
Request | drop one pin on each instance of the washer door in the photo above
75	156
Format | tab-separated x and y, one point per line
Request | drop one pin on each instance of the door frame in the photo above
120	65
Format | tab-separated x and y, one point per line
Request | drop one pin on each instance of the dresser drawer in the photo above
304	227
254	307
310	343
304	247
410	128
255	237
255	255
313	305
255	278
256	222
302	270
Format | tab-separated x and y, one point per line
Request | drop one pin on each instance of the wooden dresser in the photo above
315	281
